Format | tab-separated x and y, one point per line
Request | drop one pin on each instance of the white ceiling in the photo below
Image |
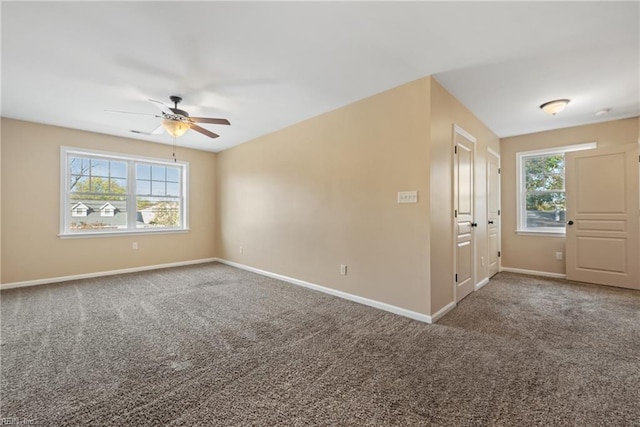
267	65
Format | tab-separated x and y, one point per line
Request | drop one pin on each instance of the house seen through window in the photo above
116	193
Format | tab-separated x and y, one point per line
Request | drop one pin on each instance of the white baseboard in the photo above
355	298
102	273
444	310
482	283
534	272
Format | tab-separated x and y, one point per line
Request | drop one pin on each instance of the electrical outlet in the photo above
559	256
241	249
134	246
482	261
343	269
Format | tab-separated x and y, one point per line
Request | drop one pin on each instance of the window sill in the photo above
121	233
541	233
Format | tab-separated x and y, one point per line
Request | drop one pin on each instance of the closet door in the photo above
463	185
602	244
493	211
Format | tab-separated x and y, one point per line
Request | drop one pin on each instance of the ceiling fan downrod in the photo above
176	100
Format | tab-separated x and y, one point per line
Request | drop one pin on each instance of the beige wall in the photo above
32	250
537	253
304	200
299	202
446	111
321	193
1	201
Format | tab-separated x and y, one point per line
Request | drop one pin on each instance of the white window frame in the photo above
521	212
132	160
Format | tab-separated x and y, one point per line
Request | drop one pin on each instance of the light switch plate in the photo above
407	197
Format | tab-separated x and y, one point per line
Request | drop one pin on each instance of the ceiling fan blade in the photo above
204	131
161	106
131	112
156	131
210	120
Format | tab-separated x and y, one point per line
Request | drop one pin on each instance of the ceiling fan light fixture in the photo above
175	128
555	106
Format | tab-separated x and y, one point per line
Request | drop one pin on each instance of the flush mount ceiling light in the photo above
603	112
555	106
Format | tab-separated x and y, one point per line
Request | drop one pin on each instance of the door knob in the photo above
569	222
490	222
474	224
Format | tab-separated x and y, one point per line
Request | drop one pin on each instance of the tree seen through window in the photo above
544	190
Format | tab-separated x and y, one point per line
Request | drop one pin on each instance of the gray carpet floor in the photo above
213	345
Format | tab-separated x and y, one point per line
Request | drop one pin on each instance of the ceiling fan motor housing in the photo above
179	112
176	100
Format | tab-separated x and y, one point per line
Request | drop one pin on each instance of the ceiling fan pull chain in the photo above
174	150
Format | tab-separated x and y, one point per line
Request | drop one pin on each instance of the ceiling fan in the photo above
176	121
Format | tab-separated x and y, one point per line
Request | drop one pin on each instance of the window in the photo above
541	189
105	193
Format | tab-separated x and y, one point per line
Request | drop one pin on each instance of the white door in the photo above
464	146
602	216
493	211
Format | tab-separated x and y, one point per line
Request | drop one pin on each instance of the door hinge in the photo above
498	171
455	213
499	254
456	277
498	211
455	150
